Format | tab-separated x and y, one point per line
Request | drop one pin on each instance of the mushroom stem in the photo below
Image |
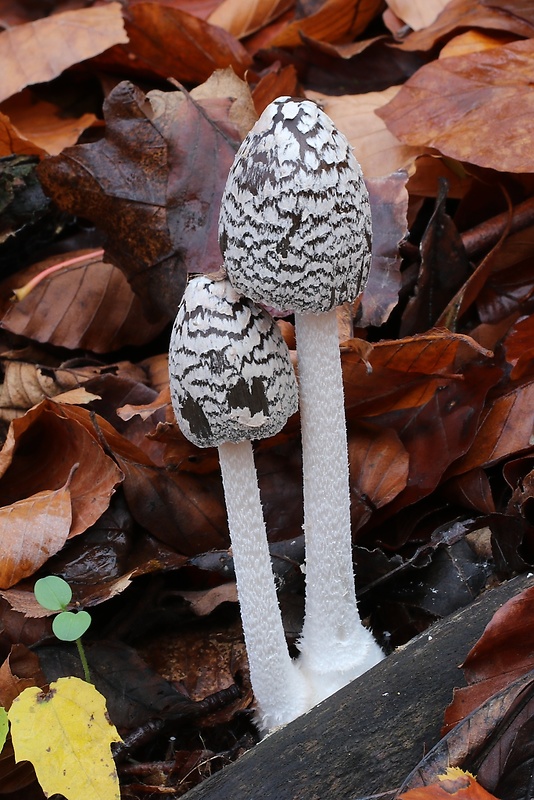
335	647
277	682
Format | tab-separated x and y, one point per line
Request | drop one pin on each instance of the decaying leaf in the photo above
144	177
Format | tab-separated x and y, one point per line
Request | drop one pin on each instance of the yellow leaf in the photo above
66	735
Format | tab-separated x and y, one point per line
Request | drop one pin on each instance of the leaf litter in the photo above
130	130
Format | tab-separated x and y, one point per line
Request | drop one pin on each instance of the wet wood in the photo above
365	739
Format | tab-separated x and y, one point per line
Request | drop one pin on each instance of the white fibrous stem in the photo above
278	686
335	647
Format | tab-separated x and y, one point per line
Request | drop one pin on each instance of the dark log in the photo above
366	738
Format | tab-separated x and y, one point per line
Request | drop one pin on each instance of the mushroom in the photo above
231	381
295	233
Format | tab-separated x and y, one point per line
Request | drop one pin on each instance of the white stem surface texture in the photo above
279	687
335	647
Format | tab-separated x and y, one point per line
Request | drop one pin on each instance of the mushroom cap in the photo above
231	376
295	220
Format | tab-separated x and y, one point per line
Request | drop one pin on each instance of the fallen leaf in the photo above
333	21
459	15
379	467
241	20
505	429
20	670
184	511
503	653
147	176
86	306
39	51
480	742
176	44
43	124
67	735
475	108
29	463
4	727
389	210
33	529
444	270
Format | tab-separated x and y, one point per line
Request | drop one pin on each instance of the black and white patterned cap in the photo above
231	376
295	220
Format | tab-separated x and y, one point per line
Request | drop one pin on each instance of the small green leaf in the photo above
4	726
52	593
69	626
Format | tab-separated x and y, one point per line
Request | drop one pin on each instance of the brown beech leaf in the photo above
33	529
430	390
40	123
86	306
241	19
471	490
175	44
39	453
278	82
461	14
333	21
504	652
39	51
25	383
112	392
519	345
204	659
13	142
155	195
405	373
476	108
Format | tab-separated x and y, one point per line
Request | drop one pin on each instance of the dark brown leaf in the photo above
155	195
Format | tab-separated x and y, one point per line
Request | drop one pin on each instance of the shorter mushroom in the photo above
231	381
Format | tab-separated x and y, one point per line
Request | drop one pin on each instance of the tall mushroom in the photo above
231	381
295	233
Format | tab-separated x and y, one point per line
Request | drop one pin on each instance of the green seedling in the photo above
55	594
